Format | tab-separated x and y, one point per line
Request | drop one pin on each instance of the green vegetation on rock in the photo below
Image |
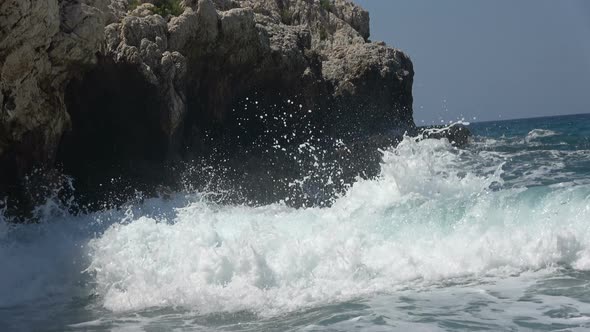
168	7
326	5
161	7
133	4
286	16
323	33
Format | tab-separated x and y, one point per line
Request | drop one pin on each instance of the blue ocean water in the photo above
495	237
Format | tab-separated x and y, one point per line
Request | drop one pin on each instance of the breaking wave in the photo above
434	213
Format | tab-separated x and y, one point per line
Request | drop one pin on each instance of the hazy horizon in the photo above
486	61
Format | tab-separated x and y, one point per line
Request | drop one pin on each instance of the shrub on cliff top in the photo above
168	7
161	7
326	5
133	4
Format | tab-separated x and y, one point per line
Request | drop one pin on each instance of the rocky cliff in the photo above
112	90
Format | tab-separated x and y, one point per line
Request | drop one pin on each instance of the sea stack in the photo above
115	88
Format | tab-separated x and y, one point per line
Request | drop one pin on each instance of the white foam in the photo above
275	259
422	221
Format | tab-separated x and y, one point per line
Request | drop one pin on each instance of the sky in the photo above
490	60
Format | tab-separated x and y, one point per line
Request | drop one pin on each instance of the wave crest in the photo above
538	133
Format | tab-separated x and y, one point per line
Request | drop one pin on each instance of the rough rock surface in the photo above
109	87
42	45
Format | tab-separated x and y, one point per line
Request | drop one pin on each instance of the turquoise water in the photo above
493	237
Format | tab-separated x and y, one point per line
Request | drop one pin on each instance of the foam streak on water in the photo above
441	232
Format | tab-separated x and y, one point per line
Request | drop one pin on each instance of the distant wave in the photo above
537	133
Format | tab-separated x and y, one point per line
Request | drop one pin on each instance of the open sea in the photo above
493	237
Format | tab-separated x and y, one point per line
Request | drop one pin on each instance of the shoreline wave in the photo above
433	214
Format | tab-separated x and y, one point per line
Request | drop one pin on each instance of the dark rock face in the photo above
107	93
457	134
43	44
